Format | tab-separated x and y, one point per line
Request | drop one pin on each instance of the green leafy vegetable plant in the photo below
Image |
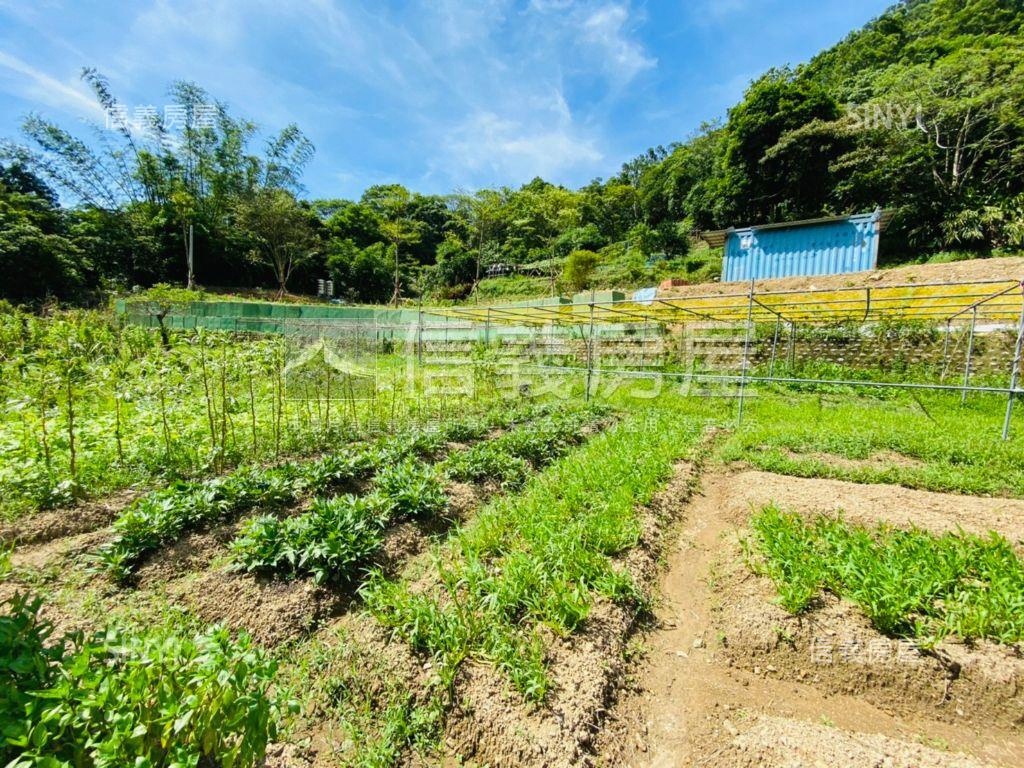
910	583
155	698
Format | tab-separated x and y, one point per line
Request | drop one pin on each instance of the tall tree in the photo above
281	231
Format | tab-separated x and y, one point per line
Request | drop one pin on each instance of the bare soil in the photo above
52	524
272	611
872	504
1009	268
730	679
835	647
775	742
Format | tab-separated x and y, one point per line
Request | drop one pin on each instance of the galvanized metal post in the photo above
643	347
419	337
746	353
1015	375
792	347
775	342
945	354
970	355
590	352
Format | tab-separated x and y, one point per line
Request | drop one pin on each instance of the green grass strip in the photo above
910	583
952	448
540	557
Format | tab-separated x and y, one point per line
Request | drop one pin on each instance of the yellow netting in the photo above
956	302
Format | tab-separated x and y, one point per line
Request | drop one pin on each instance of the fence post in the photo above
590	351
775	342
746	353
419	337
1015	374
970	354
791	361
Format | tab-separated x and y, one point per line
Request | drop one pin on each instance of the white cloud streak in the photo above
32	84
605	28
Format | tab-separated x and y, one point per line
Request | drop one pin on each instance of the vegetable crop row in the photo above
538	557
909	582
165	515
507	459
338	535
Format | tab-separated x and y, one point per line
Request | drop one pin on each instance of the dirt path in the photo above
690	705
870	505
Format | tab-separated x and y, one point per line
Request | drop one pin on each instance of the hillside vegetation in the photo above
921	111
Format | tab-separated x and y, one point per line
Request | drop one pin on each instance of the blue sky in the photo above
436	94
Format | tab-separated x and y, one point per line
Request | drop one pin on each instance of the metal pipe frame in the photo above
970	354
1015	373
939	305
725	377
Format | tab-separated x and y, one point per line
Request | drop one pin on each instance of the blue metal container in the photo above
816	247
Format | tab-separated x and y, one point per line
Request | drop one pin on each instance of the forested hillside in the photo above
922	111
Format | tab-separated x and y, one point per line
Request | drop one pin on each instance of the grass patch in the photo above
909	583
957	448
380	719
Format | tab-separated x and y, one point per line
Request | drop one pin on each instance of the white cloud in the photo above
488	148
605	28
34	85
459	24
441	91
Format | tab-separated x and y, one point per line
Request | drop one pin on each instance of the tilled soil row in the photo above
193	573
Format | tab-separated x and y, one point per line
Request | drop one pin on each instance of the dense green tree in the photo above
579	270
456	264
37	258
281	231
185	168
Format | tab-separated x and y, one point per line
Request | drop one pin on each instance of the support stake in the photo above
746	353
970	354
1015	375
